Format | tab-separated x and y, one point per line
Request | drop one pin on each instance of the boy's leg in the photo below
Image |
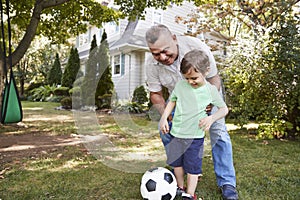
193	163
179	174
192	181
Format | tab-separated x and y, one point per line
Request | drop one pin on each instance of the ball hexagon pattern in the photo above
158	184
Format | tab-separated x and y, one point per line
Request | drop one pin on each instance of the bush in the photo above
34	85
71	70
62	91
140	95
104	101
75	91
42	93
66	102
55	73
131	107
54	98
275	129
262	79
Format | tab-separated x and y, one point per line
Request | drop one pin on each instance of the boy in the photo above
191	97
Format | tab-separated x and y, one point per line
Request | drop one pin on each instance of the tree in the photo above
105	84
262	78
262	12
89	81
57	20
55	75
24	71
71	70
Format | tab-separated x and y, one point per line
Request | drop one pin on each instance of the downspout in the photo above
129	74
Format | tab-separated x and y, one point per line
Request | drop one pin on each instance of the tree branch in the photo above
24	44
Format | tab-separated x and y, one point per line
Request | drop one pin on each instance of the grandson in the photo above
191	97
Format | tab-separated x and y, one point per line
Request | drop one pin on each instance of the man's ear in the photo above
174	37
207	71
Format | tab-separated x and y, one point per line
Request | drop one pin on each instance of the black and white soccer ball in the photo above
158	184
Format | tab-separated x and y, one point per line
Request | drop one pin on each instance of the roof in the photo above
130	41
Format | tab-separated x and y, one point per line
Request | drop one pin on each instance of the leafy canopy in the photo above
57	20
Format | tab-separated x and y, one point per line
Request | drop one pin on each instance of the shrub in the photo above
71	69
140	95
104	101
66	102
62	91
55	73
131	107
42	92
263	80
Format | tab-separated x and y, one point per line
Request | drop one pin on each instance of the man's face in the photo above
165	49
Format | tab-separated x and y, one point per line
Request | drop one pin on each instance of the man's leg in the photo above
223	159
166	138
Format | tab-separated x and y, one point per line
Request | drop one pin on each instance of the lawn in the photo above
110	167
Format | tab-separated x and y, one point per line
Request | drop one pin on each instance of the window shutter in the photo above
122	64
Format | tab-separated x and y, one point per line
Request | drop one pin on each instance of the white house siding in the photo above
171	13
133	76
136	54
168	18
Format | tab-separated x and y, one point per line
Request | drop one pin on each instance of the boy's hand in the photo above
164	126
206	122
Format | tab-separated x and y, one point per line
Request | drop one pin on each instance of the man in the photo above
162	69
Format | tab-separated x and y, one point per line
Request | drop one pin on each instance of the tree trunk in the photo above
1	84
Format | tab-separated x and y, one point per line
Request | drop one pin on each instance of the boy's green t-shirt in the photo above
190	108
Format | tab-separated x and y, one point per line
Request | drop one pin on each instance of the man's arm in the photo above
216	81
163	123
158	101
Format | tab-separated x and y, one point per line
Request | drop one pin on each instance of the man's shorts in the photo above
186	153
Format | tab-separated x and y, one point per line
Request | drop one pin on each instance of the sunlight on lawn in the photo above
33	108
233	127
60	118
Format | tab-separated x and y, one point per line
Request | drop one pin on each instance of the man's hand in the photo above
208	108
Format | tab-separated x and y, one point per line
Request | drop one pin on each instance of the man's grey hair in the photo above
155	32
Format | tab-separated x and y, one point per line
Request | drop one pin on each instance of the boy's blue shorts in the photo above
186	153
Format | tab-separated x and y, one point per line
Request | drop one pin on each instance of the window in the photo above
190	28
116	65
157	17
84	39
111	28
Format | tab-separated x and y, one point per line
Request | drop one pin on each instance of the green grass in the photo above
43	118
265	169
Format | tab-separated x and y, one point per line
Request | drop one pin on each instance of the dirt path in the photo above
14	148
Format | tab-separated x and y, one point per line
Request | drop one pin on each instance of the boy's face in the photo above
165	49
195	79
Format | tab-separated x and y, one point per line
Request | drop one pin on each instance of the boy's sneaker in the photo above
186	196
180	191
229	192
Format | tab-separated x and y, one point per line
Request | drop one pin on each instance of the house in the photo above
128	48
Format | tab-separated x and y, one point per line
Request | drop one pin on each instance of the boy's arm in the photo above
163	124
206	122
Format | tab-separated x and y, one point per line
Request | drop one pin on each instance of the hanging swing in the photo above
11	109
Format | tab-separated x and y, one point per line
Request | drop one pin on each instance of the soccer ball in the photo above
158	184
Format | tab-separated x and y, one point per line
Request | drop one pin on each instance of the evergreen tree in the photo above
89	83
71	69
105	85
55	73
